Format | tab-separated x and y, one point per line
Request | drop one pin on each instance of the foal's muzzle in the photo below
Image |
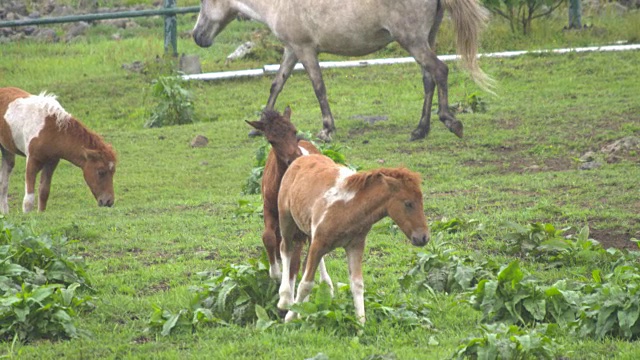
420	239
107	203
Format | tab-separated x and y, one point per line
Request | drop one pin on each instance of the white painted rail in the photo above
270	69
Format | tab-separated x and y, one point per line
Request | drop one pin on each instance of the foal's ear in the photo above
92	155
373	178
256	124
287	113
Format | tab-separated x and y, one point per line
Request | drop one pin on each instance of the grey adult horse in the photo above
354	28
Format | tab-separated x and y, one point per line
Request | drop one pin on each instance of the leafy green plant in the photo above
174	103
236	294
253	184
613	306
41	312
499	341
337	313
442	269
38	283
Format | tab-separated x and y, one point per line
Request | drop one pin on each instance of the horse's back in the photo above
307	178
7	96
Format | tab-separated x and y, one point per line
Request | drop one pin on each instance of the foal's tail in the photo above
469	18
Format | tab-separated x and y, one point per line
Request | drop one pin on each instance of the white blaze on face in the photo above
26	116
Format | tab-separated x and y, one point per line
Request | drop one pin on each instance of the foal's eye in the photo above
102	173
408	204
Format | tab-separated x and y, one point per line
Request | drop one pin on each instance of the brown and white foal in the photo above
336	207
37	127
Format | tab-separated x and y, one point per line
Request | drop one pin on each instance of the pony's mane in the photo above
51	107
66	122
359	180
89	138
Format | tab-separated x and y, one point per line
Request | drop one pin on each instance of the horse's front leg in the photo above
33	167
424	126
309	59
8	162
45	183
441	76
354	257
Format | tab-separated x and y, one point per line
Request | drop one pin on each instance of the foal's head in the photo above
405	206
98	170
280	133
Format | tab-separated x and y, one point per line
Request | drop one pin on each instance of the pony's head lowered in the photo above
280	133
98	170
405	205
214	16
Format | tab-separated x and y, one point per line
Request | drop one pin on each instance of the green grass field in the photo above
176	211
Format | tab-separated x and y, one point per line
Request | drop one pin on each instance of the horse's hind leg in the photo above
45	183
8	162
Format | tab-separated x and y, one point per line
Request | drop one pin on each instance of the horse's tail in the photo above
469	18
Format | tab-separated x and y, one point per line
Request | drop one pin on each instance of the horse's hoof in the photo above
455	127
255	133
324	135
418	134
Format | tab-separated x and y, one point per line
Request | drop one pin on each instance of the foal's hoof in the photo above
282	313
255	133
455	127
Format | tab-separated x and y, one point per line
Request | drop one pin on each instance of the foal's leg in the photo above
309	58
290	237
324	275
354	257
316	252
33	167
8	161
271	240
45	183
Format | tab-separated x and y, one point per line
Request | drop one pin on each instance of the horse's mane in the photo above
276	123
89	138
66	122
360	180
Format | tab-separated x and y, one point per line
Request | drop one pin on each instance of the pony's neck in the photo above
373	199
75	139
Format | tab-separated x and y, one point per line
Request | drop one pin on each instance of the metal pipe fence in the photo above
169	11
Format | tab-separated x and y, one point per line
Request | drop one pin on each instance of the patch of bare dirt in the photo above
613	239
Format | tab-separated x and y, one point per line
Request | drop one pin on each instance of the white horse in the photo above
354	28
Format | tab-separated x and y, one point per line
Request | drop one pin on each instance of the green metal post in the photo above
170	30
575	16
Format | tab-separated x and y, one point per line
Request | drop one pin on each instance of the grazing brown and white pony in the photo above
356	28
336	207
285	148
36	126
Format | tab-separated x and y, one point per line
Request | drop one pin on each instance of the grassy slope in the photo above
174	213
